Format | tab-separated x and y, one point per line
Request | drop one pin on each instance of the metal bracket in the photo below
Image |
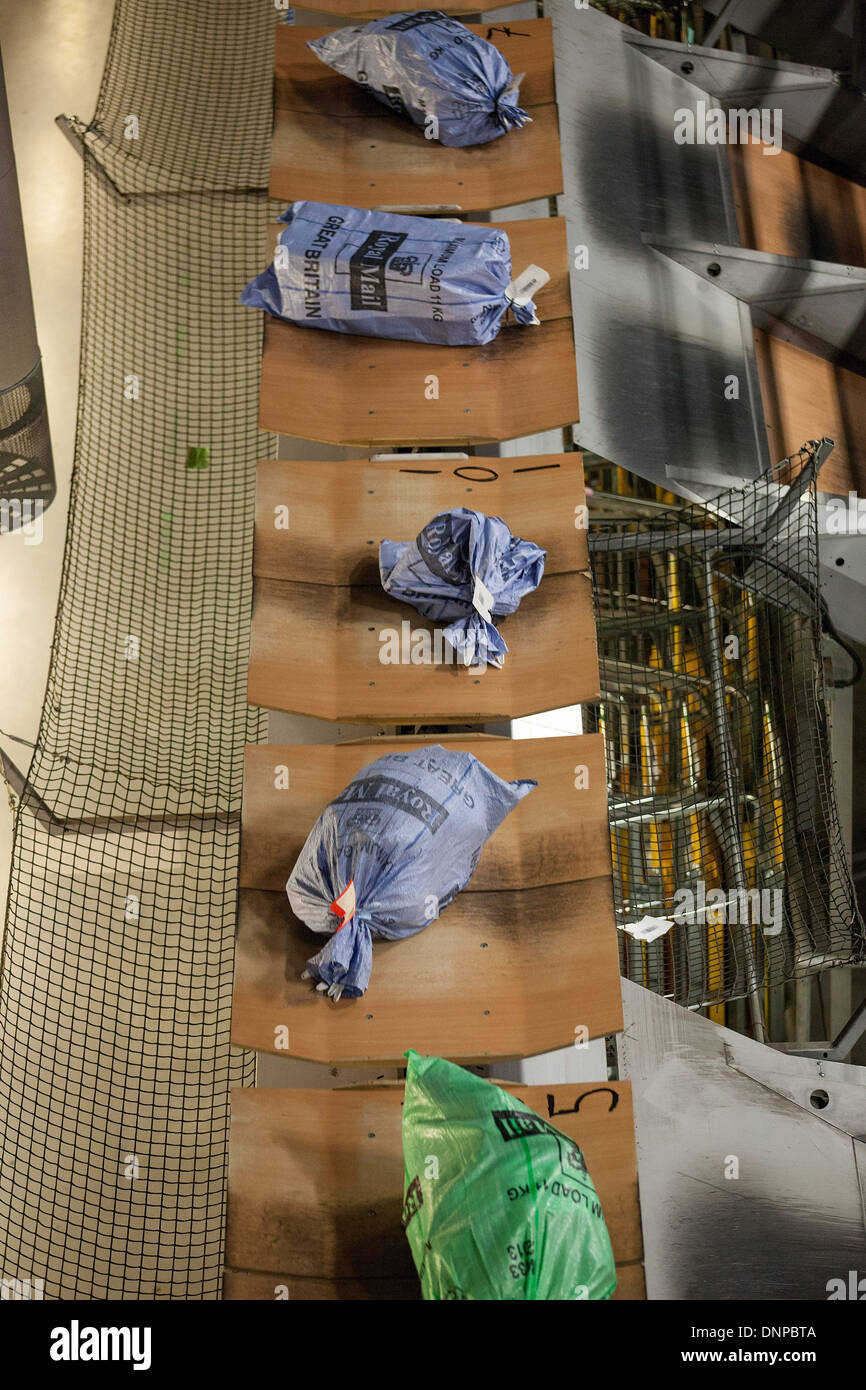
840	1047
818	298
822	116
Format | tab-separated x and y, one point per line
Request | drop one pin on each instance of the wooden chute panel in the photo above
317	649
790	207
342	626
356	11
333	143
538	909
316	1188
806	398
321	523
303	84
499	975
347	389
557	833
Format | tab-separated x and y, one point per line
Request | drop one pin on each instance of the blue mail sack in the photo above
389	854
465	569
422	64
388	276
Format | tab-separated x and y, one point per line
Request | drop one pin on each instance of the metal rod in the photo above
818	449
851	1033
732	844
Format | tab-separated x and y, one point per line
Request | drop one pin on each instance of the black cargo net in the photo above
115	996
713	638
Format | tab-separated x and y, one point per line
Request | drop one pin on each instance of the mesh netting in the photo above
723	813
115	995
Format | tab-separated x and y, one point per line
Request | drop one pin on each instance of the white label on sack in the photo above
344	906
524	286
482	600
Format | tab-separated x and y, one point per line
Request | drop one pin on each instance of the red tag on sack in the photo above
344	906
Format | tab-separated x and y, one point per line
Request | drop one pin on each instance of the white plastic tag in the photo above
482	600
344	906
513	87
524	286
648	928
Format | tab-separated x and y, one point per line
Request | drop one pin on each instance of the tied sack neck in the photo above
506	111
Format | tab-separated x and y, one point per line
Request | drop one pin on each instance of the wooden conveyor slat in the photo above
358	11
335	144
339	512
790	207
347	389
301	628
500	974
539	907
316	1187
557	834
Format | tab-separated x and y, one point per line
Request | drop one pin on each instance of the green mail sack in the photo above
498	1203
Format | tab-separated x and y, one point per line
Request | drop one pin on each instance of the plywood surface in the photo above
316	648
347	389
353	11
533	241
322	523
316	1187
500	974
304	84
245	1285
557	834
806	398
248	1285
334	143
790	207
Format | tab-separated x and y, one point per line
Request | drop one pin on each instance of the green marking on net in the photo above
198	456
